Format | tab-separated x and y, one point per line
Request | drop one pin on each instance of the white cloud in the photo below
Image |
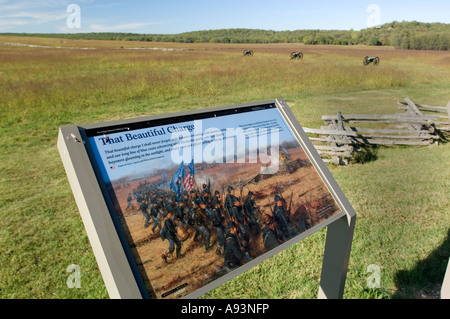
12	23
41	17
28	5
27	13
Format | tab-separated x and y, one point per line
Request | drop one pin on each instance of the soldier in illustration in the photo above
155	215
207	186
129	201
281	218
192	211
243	231
185	200
169	232
216	200
193	196
143	206
303	224
233	255
230	199
201	225
236	211
250	209
180	215
218	218
168	206
271	237
205	197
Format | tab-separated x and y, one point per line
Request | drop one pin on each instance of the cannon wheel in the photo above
376	61
366	60
297	55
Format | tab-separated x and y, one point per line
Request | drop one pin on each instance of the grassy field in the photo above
401	198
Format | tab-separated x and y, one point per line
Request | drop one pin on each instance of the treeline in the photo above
402	35
425	41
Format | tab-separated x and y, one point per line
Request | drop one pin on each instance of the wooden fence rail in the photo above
441	121
338	141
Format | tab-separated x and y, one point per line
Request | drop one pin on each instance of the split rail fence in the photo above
337	141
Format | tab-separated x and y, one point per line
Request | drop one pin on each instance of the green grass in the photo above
401	198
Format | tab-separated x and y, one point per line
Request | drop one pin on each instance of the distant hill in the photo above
402	35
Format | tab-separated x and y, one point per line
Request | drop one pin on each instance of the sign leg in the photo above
336	257
445	290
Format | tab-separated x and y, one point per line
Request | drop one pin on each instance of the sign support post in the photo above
445	290
336	257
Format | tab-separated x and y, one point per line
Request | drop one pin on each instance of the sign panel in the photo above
200	197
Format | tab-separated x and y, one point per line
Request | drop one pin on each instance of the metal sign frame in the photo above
116	263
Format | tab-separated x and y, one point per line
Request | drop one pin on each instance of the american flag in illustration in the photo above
188	180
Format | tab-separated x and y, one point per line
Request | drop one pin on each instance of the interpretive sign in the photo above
174	205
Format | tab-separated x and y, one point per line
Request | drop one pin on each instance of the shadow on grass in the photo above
443	137
425	279
366	153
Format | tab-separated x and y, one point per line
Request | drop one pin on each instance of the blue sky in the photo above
176	16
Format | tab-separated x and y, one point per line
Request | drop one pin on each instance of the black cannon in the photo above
248	52
296	56
375	60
